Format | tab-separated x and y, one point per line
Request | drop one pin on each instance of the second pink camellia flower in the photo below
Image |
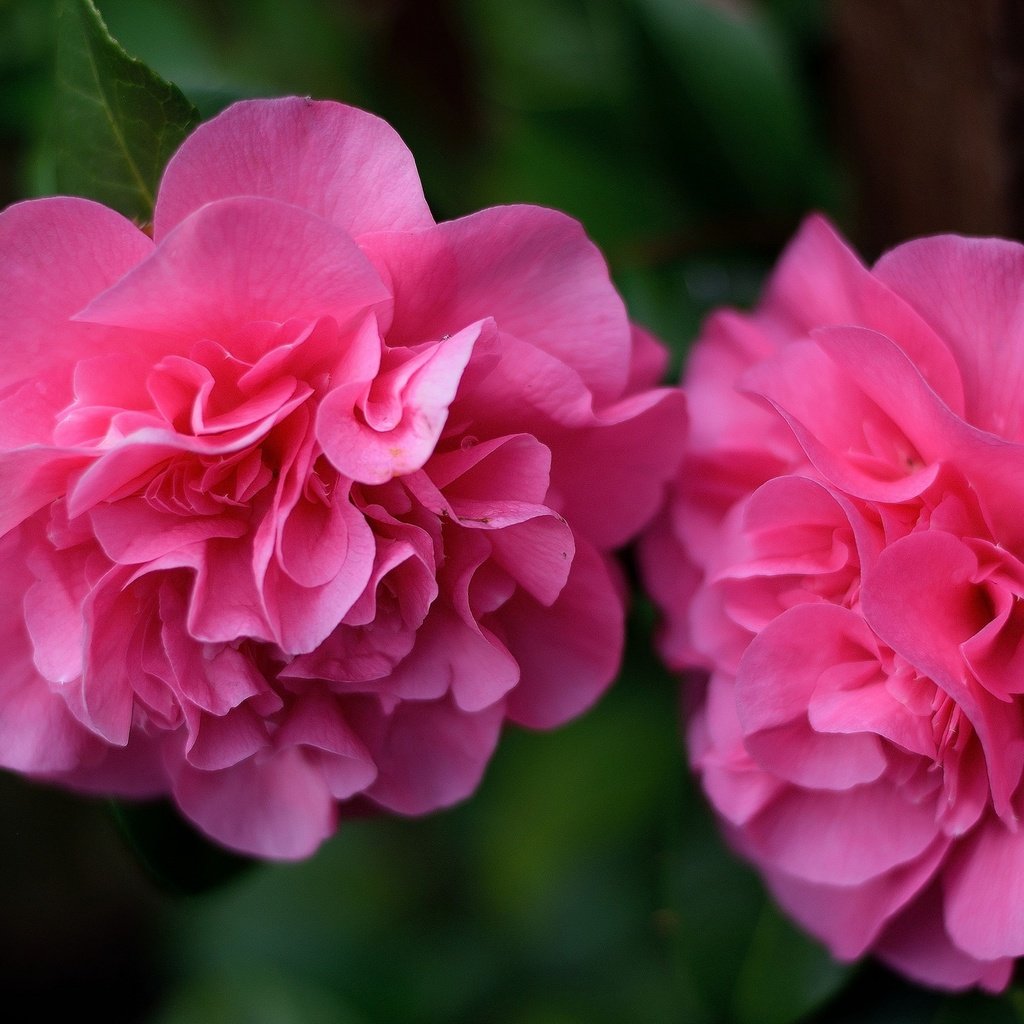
305	496
844	557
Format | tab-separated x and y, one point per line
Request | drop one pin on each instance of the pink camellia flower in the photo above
305	496
844	557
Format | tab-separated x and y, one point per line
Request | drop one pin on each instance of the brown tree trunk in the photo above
931	115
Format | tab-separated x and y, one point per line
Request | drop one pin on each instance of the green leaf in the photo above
786	974
177	858
714	902
117	122
736	959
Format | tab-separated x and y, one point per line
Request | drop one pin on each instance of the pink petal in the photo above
277	807
306	350
568	653
38	734
868	450
344	165
789	525
226	602
533	271
133	531
427	670
132	462
452	655
214	679
221	741
55	255
898	387
537	553
31	478
722	418
968	290
849	918
306	615
238	261
237	594
28	411
984	892
871	708
431	754
842	837
917	944
784	665
921	600
113	612
736	784
995	654
649	362
797	753
52	608
820	282
611	477
346	776
317	542
516	467
374	455
353	655
135	771
317	723
408	558
738	791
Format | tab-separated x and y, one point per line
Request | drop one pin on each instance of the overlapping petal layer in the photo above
304	498
844	554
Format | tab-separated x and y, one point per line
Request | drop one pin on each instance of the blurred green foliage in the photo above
586	882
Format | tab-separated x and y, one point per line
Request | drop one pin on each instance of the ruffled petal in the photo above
611	477
195	285
568	653
821	282
278	806
918	944
55	255
429	755
417	397
849	919
968	290
842	837
984	893
922	601
531	270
